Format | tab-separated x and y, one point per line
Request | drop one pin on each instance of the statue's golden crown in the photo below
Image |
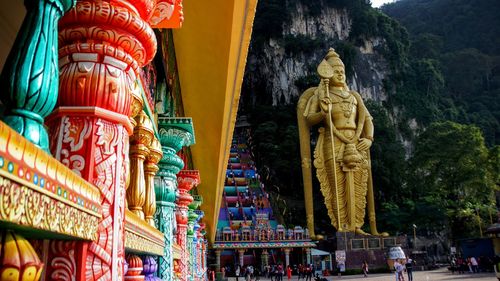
333	58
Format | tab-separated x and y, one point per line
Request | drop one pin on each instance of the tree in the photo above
451	170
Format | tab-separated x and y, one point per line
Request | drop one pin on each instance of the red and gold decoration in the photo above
103	45
91	181
38	191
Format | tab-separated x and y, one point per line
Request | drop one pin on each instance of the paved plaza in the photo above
434	275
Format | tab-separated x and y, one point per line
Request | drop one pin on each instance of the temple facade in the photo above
116	127
248	233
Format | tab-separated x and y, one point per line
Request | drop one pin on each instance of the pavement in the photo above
433	275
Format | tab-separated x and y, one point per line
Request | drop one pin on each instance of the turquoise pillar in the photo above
30	77
174	133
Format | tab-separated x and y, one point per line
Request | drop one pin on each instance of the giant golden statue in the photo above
341	156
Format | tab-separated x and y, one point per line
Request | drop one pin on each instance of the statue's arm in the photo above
314	115
368	128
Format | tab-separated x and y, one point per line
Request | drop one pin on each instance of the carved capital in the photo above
103	46
187	179
175	132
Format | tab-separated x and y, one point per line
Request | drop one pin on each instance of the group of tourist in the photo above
401	266
275	272
470	265
248	273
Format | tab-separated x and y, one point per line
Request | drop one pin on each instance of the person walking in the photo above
280	271
364	267
409	268
474	265
301	272
237	272
309	272
400	268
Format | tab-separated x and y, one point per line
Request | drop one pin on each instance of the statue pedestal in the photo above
372	249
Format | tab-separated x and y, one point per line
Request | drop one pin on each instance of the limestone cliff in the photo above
281	67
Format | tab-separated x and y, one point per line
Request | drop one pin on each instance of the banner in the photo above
340	256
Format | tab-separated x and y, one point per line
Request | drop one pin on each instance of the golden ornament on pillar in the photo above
139	142
151	168
143	130
155	152
19	261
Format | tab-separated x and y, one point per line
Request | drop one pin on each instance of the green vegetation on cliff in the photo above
455	61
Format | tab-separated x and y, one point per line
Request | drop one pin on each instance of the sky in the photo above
378	3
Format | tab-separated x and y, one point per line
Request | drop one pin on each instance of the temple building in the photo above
248	233
116	126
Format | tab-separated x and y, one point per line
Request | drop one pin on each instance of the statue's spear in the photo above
325	71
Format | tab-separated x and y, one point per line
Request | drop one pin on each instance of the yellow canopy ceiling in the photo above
211	50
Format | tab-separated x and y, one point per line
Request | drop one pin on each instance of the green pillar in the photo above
174	133
191	235
30	77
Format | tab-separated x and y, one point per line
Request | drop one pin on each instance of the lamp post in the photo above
414	237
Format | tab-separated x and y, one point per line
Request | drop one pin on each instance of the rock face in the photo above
276	68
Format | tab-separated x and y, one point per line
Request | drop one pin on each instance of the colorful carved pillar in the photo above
203	251
308	255
151	168
194	254
241	254
30	77
186	179
287	256
264	259
217	260
191	234
139	143
135	268
192	216
197	240
103	44
174	133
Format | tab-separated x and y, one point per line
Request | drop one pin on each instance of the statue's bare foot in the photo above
361	232
383	234
317	237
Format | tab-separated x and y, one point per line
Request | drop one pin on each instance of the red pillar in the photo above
103	44
186	179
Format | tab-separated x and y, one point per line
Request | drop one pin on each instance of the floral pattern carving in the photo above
25	206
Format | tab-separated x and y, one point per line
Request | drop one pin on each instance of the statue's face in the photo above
338	78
